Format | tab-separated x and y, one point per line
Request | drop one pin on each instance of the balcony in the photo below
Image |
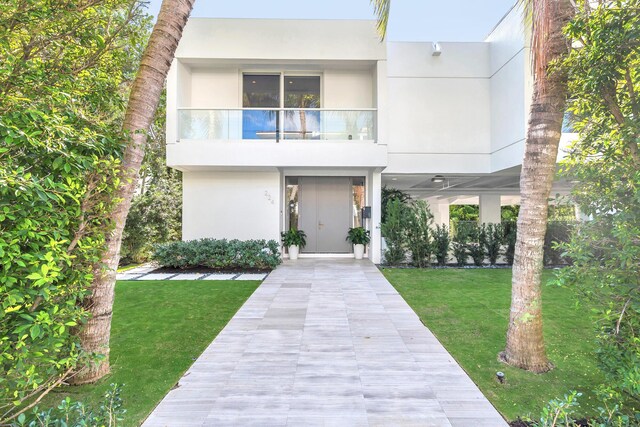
317	124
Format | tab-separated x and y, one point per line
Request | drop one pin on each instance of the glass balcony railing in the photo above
277	124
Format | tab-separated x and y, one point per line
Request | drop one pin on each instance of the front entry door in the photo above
325	213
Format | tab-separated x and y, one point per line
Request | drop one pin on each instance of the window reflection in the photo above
357	185
291	197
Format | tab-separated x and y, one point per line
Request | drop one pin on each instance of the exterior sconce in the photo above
436	49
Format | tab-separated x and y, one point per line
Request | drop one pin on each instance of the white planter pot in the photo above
293	251
358	251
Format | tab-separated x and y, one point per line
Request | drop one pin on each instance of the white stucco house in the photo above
280	123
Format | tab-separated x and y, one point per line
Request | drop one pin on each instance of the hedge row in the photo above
219	254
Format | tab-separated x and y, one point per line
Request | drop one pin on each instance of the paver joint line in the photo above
325	342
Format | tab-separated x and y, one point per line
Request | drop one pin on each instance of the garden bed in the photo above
208	270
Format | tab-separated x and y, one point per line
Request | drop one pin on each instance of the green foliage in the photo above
460	242
77	414
389	194
476	245
509	213
604	80
394	230
156	212
63	79
294	237
493	239
441	243
560	412
155	217
219	254
464	213
469	240
359	236
419	234
510	234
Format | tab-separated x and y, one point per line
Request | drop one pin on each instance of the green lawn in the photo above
468	310
159	329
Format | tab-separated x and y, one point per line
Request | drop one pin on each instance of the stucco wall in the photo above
231	205
439	107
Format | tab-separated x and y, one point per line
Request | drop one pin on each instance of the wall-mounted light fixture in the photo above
436	49
438	179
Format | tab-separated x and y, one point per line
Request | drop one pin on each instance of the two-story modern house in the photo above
299	123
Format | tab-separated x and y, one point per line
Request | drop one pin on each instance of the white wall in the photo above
281	39
438	108
347	89
215	88
231	205
510	90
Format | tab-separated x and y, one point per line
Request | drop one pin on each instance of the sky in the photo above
410	20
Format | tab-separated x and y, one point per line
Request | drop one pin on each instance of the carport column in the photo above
375	199
490	209
440	211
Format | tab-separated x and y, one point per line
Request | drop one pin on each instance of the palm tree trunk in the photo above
525	344
143	101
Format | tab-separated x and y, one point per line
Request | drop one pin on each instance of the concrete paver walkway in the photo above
325	342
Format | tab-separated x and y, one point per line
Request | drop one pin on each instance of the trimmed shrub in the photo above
510	230
460	244
476	245
441	243
493	237
394	230
219	254
418	235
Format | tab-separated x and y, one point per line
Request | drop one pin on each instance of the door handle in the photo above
320	225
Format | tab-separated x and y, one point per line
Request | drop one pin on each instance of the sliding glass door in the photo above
280	106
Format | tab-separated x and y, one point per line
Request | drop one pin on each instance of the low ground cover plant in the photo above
220	254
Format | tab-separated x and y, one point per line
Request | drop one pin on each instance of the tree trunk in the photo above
143	101
525	344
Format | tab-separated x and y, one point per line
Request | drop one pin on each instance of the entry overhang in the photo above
335	154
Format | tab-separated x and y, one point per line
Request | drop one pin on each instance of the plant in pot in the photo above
294	239
359	237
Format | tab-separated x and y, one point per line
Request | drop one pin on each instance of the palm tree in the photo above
525	344
143	101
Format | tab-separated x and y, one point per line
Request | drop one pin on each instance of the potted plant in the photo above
294	240
359	237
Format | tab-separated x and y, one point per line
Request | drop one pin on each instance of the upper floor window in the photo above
302	92
265	90
261	91
268	94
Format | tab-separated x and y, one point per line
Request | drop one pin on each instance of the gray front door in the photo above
325	213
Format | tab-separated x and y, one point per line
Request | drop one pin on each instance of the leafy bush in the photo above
294	237
77	414
359	236
394	230
219	254
441	242
389	194
64	78
493	240
419	235
560	412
